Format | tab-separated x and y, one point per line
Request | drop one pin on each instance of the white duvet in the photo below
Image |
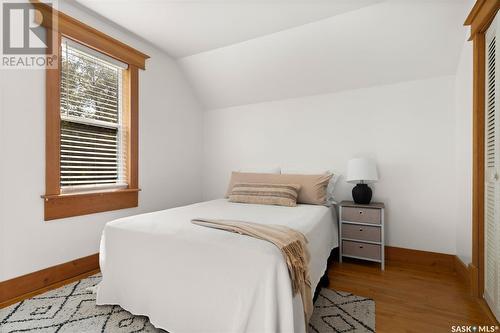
191	279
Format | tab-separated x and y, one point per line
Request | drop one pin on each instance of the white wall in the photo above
463	153
169	159
409	128
2	184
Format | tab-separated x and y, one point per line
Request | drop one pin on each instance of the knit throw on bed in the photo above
291	243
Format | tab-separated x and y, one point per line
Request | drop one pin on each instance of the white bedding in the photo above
191	279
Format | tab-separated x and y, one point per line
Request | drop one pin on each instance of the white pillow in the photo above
258	169
330	199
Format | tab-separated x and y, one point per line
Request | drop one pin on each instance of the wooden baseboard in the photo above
463	272
29	283
439	261
474	277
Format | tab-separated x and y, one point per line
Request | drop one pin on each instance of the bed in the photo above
187	278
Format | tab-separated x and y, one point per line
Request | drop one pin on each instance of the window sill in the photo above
76	204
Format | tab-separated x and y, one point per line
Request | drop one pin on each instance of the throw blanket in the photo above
292	245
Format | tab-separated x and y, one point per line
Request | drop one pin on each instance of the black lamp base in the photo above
362	194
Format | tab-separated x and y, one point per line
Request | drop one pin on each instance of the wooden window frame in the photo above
59	205
479	19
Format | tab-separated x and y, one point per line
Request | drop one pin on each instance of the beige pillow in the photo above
265	194
312	187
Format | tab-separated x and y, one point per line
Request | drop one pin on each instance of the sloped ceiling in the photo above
187	27
240	52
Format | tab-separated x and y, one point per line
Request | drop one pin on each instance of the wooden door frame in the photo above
479	19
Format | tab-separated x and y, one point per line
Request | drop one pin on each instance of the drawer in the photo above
361	232
363	250
363	215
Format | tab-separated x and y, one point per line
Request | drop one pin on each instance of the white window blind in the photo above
92	154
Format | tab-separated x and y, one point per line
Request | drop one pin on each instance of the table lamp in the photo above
361	171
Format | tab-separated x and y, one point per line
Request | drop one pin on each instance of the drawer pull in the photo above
361	212
361	246
360	229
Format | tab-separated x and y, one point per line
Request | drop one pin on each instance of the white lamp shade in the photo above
361	170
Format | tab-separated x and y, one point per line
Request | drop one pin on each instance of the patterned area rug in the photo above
338	311
72	309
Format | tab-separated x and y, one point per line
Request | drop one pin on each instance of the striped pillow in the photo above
265	194
312	187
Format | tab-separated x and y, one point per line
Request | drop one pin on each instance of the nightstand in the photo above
361	231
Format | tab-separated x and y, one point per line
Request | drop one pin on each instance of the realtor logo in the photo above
25	42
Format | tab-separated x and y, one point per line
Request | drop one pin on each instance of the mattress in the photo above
188	278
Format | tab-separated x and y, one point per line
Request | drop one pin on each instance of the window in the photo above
92	154
91	120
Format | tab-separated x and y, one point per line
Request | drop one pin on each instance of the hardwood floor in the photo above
408	297
411	298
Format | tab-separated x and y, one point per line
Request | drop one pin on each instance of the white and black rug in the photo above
338	311
72	309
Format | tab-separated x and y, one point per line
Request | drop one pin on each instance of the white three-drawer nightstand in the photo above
361	231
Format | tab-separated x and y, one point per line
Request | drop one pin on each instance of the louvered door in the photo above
492	174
